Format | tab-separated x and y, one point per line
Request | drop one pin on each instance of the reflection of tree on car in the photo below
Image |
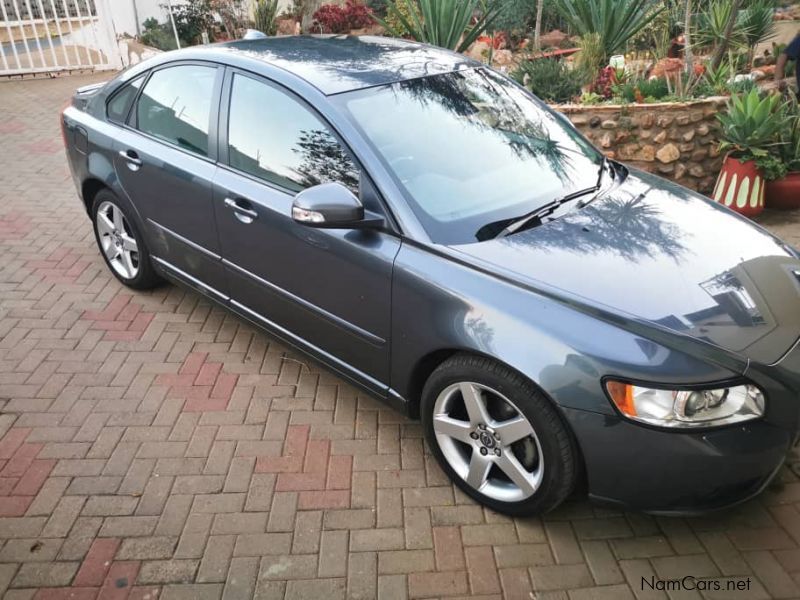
324	160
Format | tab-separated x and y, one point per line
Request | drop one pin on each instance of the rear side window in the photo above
175	106
120	103
274	137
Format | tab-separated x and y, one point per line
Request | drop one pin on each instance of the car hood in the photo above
658	252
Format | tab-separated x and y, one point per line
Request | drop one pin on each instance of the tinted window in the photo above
175	106
274	137
120	103
472	150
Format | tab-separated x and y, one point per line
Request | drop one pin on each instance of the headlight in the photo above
687	408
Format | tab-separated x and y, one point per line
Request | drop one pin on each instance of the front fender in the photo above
440	304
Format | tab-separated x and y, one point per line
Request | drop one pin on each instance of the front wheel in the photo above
497	436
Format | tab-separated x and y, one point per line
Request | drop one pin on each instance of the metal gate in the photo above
39	36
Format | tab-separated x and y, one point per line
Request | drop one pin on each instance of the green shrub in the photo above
444	23
616	21
550	79
265	14
392	16
158	35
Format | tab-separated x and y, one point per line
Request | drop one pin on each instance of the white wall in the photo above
123	13
125	22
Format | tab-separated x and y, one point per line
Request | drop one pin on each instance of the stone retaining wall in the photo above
678	141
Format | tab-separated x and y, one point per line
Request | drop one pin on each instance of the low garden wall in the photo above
678	141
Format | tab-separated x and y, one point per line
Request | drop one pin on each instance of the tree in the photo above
537	32
687	38
722	47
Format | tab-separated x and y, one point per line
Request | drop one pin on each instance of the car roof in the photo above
340	63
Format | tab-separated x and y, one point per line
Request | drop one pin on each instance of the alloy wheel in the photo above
116	240
488	441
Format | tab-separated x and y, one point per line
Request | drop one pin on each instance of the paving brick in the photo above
167	571
483	578
227	523
316	588
216	559
405	561
332	553
95	565
516	584
147	548
35	574
241	579
360	518
426	585
362	579
560	577
259	544
284	567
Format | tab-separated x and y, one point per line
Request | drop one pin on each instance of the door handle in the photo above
131	157
244	214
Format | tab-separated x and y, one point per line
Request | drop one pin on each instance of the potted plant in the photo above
783	192
750	129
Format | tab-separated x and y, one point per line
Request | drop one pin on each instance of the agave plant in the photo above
616	21
265	13
752	125
444	23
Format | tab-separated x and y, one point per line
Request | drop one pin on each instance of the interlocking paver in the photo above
152	445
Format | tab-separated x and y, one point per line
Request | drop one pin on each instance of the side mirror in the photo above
332	206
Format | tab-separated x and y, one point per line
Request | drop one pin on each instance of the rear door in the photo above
326	288
165	161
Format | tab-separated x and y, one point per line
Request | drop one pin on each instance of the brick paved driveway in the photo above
154	446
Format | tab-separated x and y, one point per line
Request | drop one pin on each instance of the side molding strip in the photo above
333	361
190	280
347	326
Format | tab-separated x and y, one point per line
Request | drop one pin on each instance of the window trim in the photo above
143	77
222	141
131	122
223	157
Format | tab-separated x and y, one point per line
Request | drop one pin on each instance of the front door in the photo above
327	288
165	162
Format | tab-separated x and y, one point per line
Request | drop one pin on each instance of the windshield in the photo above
471	149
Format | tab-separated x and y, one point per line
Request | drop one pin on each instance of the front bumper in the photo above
644	468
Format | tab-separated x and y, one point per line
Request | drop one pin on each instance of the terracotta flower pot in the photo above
740	187
784	193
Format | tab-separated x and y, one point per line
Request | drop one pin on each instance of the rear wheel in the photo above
497	436
120	242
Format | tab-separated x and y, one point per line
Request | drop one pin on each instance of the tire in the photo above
531	455
121	244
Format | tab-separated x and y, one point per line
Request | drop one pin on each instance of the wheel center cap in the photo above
487	439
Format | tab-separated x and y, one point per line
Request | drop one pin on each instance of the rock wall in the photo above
678	141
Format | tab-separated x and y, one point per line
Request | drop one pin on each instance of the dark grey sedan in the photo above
439	237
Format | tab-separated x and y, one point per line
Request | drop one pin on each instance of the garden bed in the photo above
676	140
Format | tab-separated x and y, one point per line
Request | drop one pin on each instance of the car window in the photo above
120	103
471	150
175	106
271	135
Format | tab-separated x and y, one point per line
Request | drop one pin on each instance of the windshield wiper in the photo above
548	209
542	212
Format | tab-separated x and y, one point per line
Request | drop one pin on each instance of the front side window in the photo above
120	103
470	150
274	137
175	106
